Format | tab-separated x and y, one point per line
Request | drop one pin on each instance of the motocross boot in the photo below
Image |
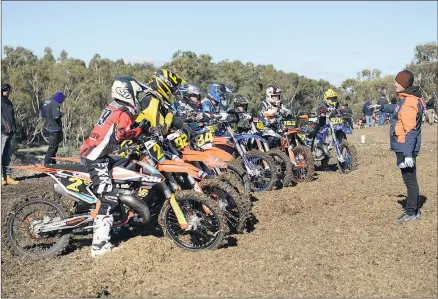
101	235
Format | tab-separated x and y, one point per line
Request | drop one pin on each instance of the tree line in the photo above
87	88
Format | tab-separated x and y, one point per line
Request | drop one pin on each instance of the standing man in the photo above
8	130
405	139
430	107
348	115
52	114
382	115
368	112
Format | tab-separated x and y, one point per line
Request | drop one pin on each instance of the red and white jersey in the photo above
112	127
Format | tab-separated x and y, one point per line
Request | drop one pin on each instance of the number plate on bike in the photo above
289	123
336	120
259	125
204	137
179	141
155	150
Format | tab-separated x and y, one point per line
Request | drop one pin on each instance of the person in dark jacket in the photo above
382	115
405	138
347	114
8	131
51	112
430	108
368	112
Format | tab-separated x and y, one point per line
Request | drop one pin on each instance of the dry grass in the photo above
334	237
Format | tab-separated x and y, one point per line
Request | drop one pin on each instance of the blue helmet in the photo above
216	92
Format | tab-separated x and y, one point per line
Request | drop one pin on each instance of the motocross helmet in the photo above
217	91
273	94
241	101
126	89
191	94
330	97
166	84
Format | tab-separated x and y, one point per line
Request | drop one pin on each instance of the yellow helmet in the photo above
166	83
330	93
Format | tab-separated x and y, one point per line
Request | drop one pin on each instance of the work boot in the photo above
11	181
101	235
3	181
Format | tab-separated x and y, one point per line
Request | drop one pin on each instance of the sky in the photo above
320	40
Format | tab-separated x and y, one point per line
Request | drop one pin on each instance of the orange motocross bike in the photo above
181	175
41	227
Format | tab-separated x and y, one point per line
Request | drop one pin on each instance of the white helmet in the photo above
126	89
273	90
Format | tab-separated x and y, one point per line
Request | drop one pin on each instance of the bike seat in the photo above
71	167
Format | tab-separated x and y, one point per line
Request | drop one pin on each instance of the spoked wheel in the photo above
284	167
22	229
348	151
232	204
305	168
207	223
240	174
265	171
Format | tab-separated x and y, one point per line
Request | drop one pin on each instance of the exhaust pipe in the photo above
128	199
138	205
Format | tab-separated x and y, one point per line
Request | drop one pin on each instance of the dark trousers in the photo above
410	179
55	138
100	174
348	121
6	154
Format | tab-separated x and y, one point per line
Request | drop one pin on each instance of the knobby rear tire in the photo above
12	244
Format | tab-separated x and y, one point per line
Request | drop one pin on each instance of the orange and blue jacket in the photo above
406	114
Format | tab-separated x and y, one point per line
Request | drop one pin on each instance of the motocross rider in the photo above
329	104
271	108
189	106
216	102
156	106
241	117
113	126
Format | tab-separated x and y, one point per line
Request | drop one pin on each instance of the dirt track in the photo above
334	237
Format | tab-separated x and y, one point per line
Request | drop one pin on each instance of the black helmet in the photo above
6	87
240	100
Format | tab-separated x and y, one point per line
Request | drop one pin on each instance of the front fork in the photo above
174	204
335	141
248	165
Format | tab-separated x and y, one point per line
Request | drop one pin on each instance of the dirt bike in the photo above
254	141
329	137
190	219
186	176
260	167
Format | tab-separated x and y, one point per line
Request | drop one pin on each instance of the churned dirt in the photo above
333	237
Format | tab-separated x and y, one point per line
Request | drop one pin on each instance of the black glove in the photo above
144	125
158	130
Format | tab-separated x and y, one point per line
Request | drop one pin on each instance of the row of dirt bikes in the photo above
195	182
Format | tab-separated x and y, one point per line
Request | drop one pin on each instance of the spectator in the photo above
430	108
52	114
348	115
382	115
405	139
8	131
368	112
